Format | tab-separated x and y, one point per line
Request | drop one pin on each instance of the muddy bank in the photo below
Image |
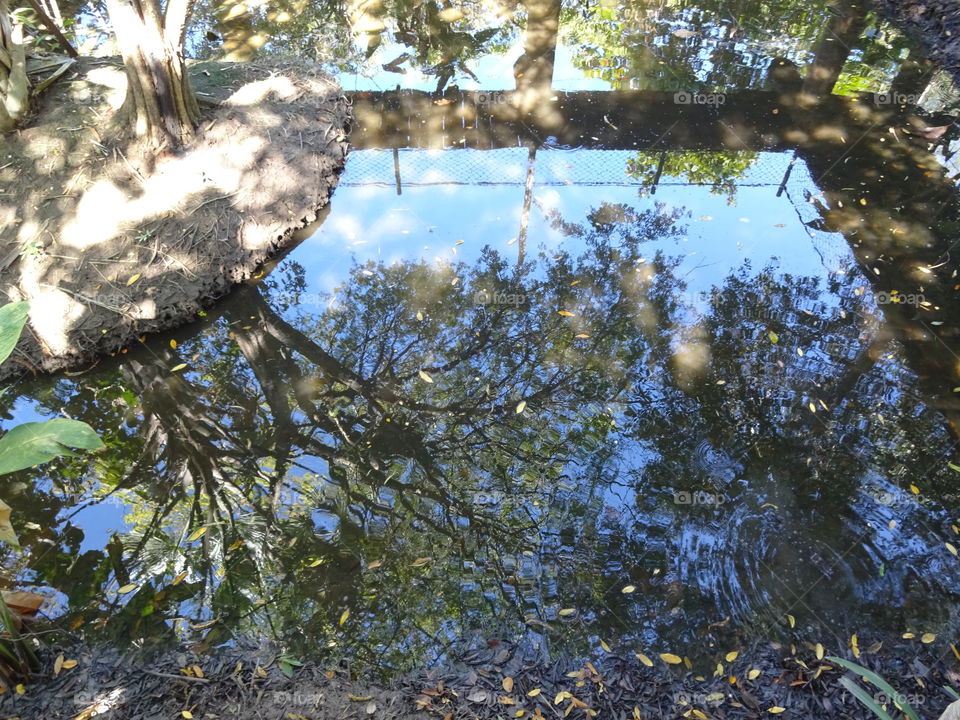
253	681
109	242
935	23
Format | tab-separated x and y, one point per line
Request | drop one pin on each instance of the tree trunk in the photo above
14	86
160	102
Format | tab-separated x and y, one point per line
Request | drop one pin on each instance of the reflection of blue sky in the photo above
475	198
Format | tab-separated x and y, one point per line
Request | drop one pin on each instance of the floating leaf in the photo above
126	589
534	692
565	313
819	651
951	548
776	710
420	316
173	344
927	638
178	368
629	589
420	561
566	612
508	684
424	376
179	578
792	620
196	534
67	664
644	659
753	674
58	665
133	279
7	534
731	656
344	615
774	338
671	659
521	406
606	648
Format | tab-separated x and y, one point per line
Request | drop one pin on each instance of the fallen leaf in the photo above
644	659
425	377
196	534
133	279
753	674
927	638
521	406
565	313
731	656
629	589
508	684
670	658
344	615
126	589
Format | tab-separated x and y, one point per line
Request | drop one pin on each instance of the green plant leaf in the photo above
33	443
863	696
13	316
878	681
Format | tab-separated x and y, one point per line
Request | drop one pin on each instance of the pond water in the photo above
557	368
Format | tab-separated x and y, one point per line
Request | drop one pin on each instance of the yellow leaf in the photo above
178	368
187	714
951	548
315	563
173	344
644	659
629	589
606	648
179	578
58	665
731	656
7	534
582	336
420	316
133	279
914	489
344	615
420	561
20	689
534	692
508	684
424	376
908	636
855	645
67	664
753	674
927	638
261	672
360	698
565	313
566	611
126	589
792	620
819	651
197	671
235	545
776	710
774	338
670	658
374	564
196	534
520	406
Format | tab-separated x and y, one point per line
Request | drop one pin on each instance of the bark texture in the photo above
161	104
14	86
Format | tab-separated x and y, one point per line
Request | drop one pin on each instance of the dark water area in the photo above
628	325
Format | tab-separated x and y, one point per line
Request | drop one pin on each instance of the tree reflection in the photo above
437	453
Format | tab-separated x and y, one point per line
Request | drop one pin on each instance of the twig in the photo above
54	30
171	676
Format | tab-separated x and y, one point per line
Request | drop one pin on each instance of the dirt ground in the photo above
935	23
245	682
109	242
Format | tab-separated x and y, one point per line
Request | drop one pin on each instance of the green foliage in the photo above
881	684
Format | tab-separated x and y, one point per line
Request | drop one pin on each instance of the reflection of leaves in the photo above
718	170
